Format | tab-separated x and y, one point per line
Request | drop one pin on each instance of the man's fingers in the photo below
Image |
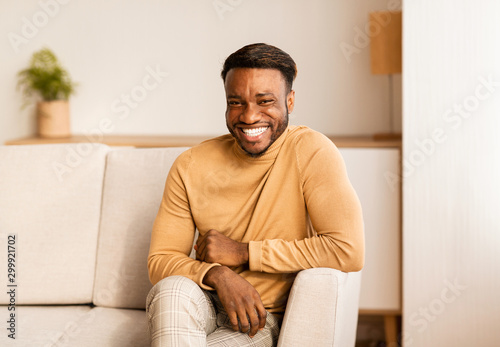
244	324
261	311
200	248
252	317
201	254
200	240
201	244
233	318
254	324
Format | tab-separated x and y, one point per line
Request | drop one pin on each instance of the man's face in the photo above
257	107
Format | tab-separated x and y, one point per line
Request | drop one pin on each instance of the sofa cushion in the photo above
78	326
40	326
133	188
112	327
50	199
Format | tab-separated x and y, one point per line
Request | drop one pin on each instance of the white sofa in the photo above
78	219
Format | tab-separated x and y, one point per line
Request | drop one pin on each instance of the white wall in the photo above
108	46
451	257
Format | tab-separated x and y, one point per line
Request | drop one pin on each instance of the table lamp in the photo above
385	56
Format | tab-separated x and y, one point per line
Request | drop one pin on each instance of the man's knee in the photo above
178	287
175	283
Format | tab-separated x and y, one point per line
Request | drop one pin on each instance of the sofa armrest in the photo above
322	309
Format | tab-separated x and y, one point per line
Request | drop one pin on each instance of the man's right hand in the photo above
240	299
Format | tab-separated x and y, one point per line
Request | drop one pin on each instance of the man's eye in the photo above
233	103
264	102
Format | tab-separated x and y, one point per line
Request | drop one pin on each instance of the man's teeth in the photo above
255	131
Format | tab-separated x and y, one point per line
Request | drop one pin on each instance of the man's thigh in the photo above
179	313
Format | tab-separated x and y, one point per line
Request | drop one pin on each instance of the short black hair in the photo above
262	56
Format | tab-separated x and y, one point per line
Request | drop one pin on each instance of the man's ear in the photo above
290	101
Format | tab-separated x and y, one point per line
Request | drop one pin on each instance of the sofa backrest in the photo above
133	188
50	199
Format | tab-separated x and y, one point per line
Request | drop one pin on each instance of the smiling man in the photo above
268	199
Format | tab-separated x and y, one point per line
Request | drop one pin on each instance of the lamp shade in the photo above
385	42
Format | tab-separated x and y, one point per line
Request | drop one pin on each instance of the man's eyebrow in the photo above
259	95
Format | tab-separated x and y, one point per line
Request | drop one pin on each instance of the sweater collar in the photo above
270	154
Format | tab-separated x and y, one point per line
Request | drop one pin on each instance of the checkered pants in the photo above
181	314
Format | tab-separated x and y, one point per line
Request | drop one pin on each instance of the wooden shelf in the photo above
364	141
118	140
148	141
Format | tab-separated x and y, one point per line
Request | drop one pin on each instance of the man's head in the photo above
258	82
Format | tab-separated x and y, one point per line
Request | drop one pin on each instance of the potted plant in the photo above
47	79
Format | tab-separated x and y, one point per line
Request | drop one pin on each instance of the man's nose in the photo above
250	114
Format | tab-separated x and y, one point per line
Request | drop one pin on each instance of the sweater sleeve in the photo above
173	232
334	211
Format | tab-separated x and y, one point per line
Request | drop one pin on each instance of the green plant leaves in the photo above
46	77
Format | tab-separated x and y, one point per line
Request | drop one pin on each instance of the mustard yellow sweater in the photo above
294	205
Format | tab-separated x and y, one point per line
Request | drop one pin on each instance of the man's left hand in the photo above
214	247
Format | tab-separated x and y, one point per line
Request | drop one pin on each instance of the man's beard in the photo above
280	130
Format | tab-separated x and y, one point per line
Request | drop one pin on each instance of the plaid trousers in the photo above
180	313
